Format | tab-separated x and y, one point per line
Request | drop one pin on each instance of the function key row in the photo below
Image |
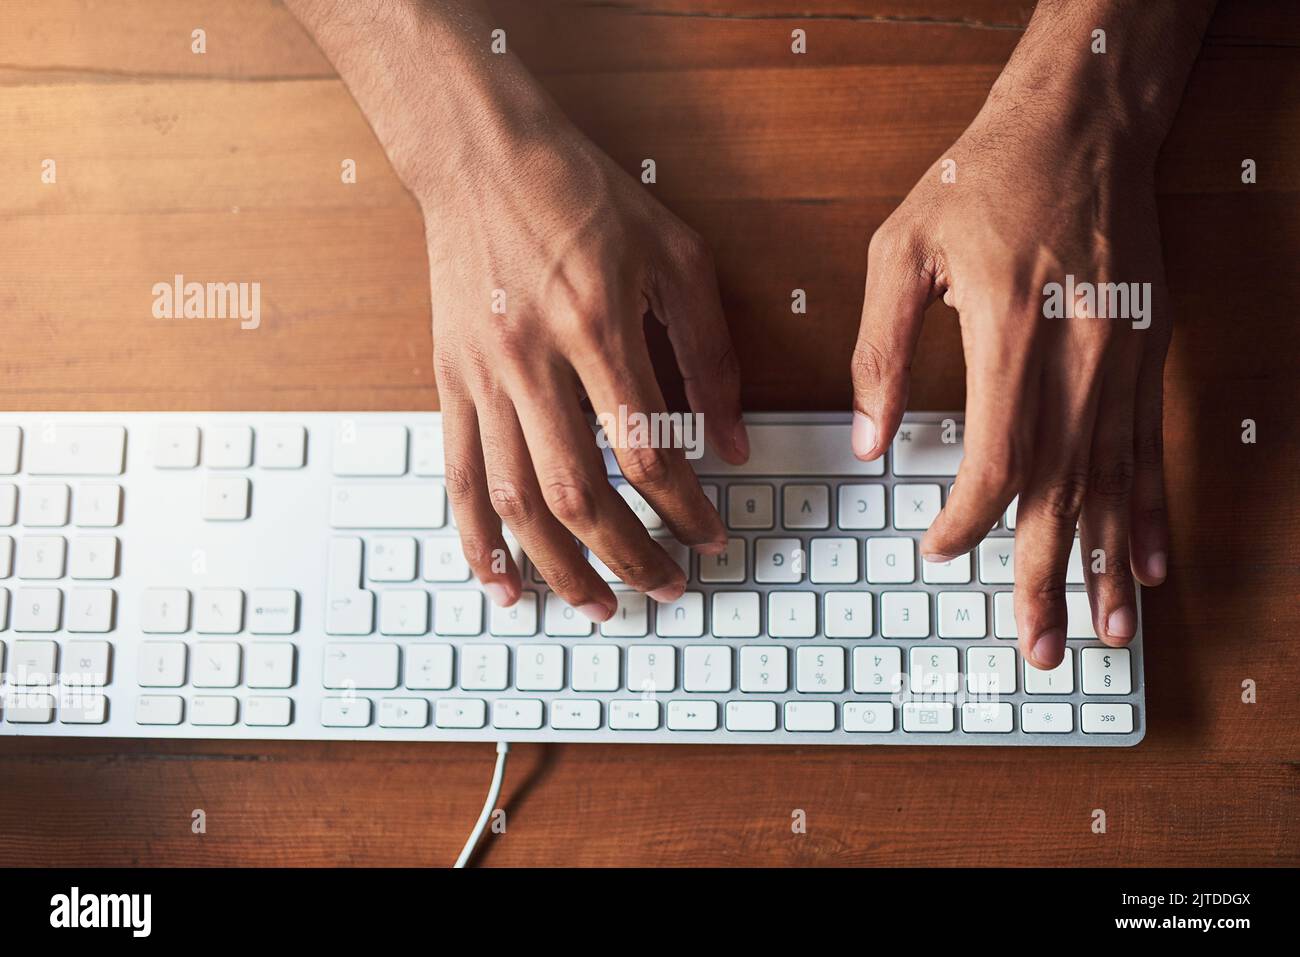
230	447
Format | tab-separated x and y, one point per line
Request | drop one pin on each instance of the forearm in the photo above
1127	95
425	77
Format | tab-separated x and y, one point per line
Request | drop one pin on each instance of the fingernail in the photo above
1049	649
864	435
596	611
934	558
1156	566
1121	623
667	593
712	548
497	593
740	438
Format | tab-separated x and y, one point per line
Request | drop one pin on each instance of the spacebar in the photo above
792	449
387	505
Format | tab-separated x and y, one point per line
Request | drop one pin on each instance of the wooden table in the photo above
226	165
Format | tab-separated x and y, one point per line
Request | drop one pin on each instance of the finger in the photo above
1002	386
1104	524
619	378
517	498
690	308
571	473
898	289
479	525
1049	509
1150	532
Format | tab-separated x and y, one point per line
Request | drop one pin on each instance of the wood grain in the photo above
227	165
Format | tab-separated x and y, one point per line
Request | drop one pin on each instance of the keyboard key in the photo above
261	711
485	667
990	671
426	450
1078	616
891	561
764	669
270	664
928	717
862	507
806	506
228	447
961	614
934	670
444	560
928	448
388	506
633	715
575	715
27	707
518	714
82	707
34	662
802	448
37	609
41	557
76	450
1108	718
904	614
93	558
877	670
735	614
848	614
792	614
915	506
562	619
162	664
460	713
727	567
90	610
403	713
651	669
955	571
1046	718
810	716
44	506
1010	518
361	665
631	620
819	669
165	611
176	447
1004	615
457	612
429	667
85	663
751	716
518	621
350	612
779	561
834	561
273	611
11	441
640	507
1106	671
369	450
683	618
8	505
225	498
692	716
97	506
1060	680
997	561
750	506
1074	565
216	710
404	611
159	709
539	668
706	668
282	447
594	668
986	717
392	559
215	664
345	712
868	717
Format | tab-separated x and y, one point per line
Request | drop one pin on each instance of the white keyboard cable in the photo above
494	791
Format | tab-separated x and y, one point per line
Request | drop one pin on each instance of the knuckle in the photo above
887	243
446	365
870	364
571	499
646	466
510	502
461	481
1111	481
477	549
1063	495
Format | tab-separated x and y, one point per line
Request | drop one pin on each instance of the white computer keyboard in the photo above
297	575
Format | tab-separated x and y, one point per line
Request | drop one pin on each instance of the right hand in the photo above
581	252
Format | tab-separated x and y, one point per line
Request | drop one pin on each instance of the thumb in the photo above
689	306
899	287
